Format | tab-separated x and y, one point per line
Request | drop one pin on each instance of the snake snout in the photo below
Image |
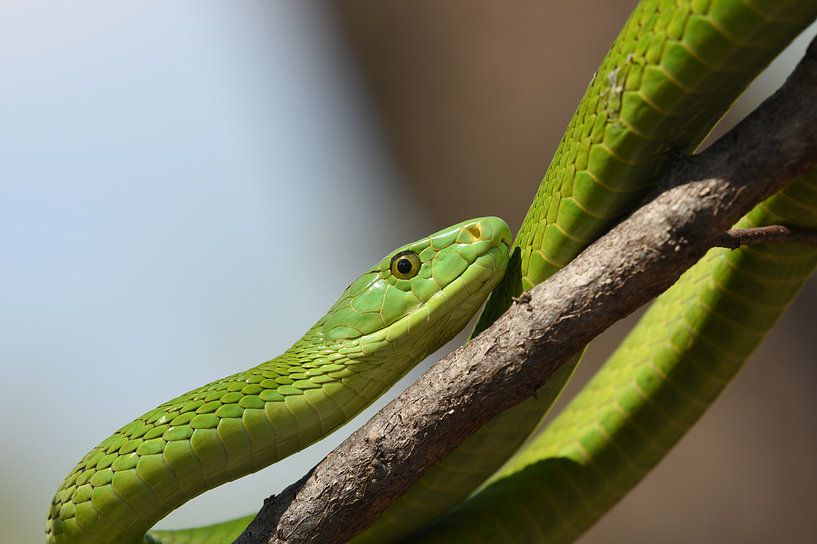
490	229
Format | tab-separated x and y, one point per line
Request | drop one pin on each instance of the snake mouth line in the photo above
506	239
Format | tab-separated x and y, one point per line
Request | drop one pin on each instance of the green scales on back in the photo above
394	315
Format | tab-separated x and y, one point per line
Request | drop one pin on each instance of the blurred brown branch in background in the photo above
700	198
474	96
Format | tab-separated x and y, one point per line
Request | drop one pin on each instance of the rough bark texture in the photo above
699	199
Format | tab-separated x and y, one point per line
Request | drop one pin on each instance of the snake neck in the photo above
224	430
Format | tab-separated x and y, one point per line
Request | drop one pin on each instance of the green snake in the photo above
392	316
674	70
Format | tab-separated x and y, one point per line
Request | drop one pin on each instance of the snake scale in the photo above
675	68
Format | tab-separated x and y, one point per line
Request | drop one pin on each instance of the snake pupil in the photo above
404	266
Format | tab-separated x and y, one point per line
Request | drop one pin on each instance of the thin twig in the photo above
777	234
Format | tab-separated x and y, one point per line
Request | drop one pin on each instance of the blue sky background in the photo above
186	187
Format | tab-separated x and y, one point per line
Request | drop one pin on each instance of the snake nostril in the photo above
475	231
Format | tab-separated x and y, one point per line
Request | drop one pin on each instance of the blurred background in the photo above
187	186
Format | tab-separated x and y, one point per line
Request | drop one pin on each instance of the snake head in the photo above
425	291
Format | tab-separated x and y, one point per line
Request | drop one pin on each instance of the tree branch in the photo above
698	200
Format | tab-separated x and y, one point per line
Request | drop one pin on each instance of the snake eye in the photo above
405	265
